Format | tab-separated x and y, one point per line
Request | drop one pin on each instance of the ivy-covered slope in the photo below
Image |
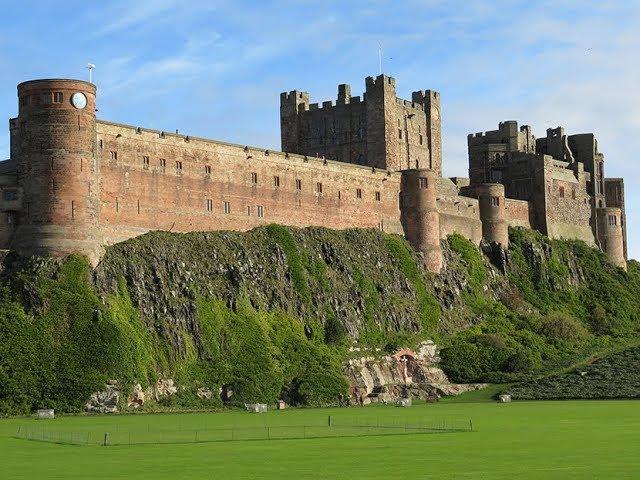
271	313
563	302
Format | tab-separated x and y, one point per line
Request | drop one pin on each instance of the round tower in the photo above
610	235
57	168
419	215
493	213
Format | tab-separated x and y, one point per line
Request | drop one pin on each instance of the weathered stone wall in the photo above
567	207
518	213
379	130
139	194
458	214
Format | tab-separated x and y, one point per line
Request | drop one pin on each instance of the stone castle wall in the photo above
378	129
75	183
158	181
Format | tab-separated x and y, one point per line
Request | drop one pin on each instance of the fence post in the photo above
105	442
470	425
268	433
329	421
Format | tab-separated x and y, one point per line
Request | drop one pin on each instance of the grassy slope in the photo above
614	376
527	440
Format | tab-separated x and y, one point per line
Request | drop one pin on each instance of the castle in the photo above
75	183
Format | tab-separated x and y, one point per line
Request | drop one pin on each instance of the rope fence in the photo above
328	429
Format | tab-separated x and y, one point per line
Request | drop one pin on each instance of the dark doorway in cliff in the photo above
226	392
409	368
290	393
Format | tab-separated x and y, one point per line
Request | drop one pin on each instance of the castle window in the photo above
400	134
249	210
209	204
58	97
276	181
207	169
358	193
378	196
46	98
100	143
339	194
145	162
561	192
254	178
260	211
226	207
495	201
10	195
613	220
113	155
420	139
163	163
573	193
319	188
423	182
178	167
298	184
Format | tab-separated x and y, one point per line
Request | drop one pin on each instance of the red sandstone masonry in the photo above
76	184
136	197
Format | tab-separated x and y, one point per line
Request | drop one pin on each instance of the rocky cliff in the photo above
287	313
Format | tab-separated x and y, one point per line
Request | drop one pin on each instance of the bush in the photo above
561	327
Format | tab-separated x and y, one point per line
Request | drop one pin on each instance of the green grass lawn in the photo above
566	439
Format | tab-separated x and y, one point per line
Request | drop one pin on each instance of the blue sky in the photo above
215	69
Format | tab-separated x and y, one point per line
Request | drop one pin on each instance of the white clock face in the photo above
78	100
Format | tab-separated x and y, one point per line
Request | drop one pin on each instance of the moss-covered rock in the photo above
270	313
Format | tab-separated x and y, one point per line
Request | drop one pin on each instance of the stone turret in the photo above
610	235
54	144
419	215
493	213
291	104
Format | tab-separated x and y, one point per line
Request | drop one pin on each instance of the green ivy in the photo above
427	304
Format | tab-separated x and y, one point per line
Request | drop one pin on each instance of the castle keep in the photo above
75	183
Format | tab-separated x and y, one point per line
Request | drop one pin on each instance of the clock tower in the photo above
53	140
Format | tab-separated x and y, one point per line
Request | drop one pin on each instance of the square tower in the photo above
380	130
